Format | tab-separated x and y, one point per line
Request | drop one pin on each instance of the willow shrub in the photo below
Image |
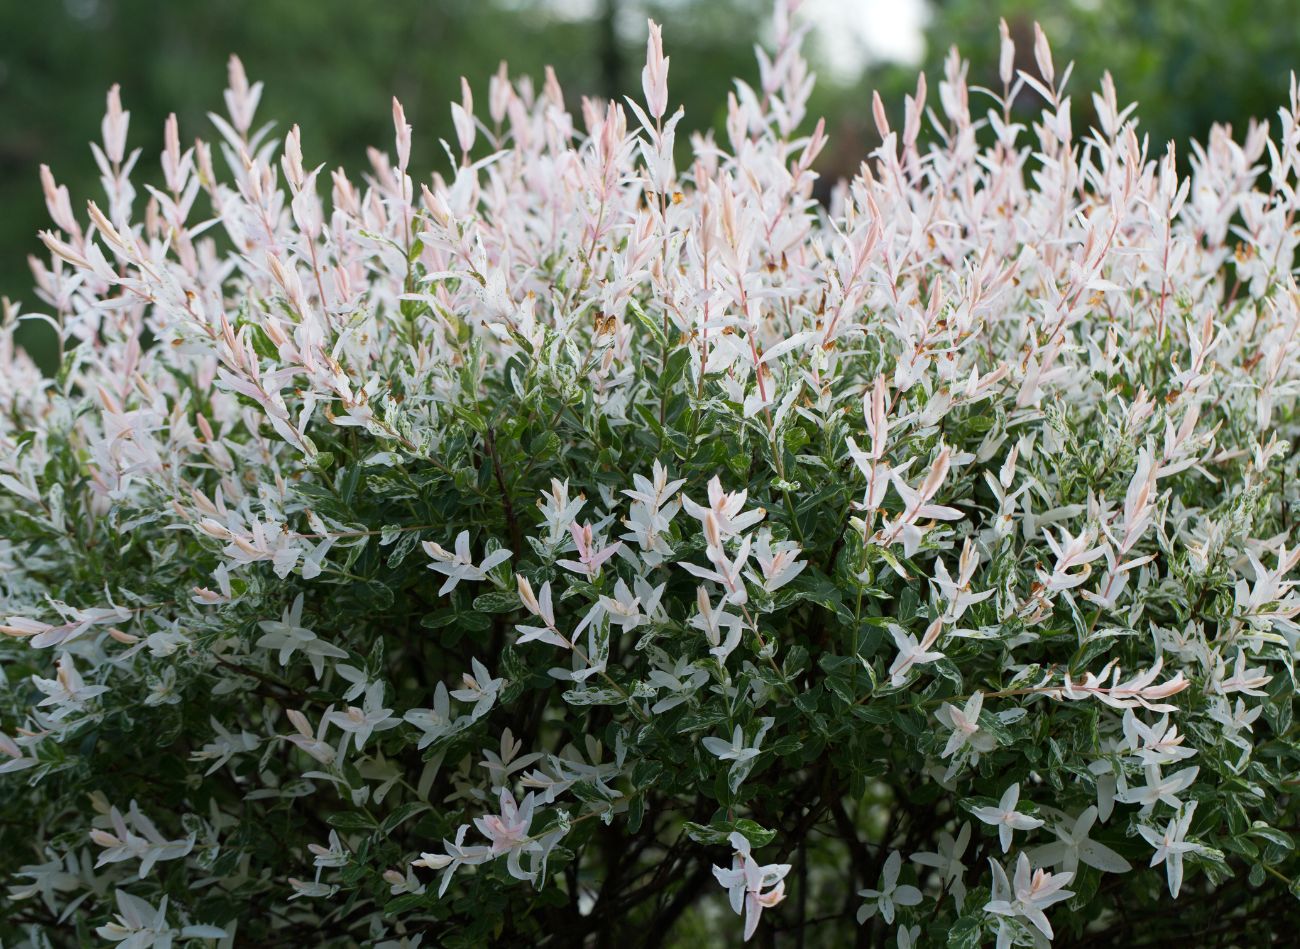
578	545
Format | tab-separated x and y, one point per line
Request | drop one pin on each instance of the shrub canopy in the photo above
584	544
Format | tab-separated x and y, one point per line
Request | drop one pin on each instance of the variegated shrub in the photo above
599	537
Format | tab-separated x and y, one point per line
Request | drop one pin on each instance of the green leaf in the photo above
635	813
406	543
402	815
1272	835
545	445
655	329
645	773
439	618
405	903
497	601
965	933
348	482
806	702
812	586
795	662
473	622
1241	845
705	834
349	821
754	832
587	696
375	661
718	831
845	677
374	594
587	792
678	360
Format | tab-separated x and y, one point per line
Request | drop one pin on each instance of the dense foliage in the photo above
332	65
576	548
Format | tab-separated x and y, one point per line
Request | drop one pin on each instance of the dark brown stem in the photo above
516	535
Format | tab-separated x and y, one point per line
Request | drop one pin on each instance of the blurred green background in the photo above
331	66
